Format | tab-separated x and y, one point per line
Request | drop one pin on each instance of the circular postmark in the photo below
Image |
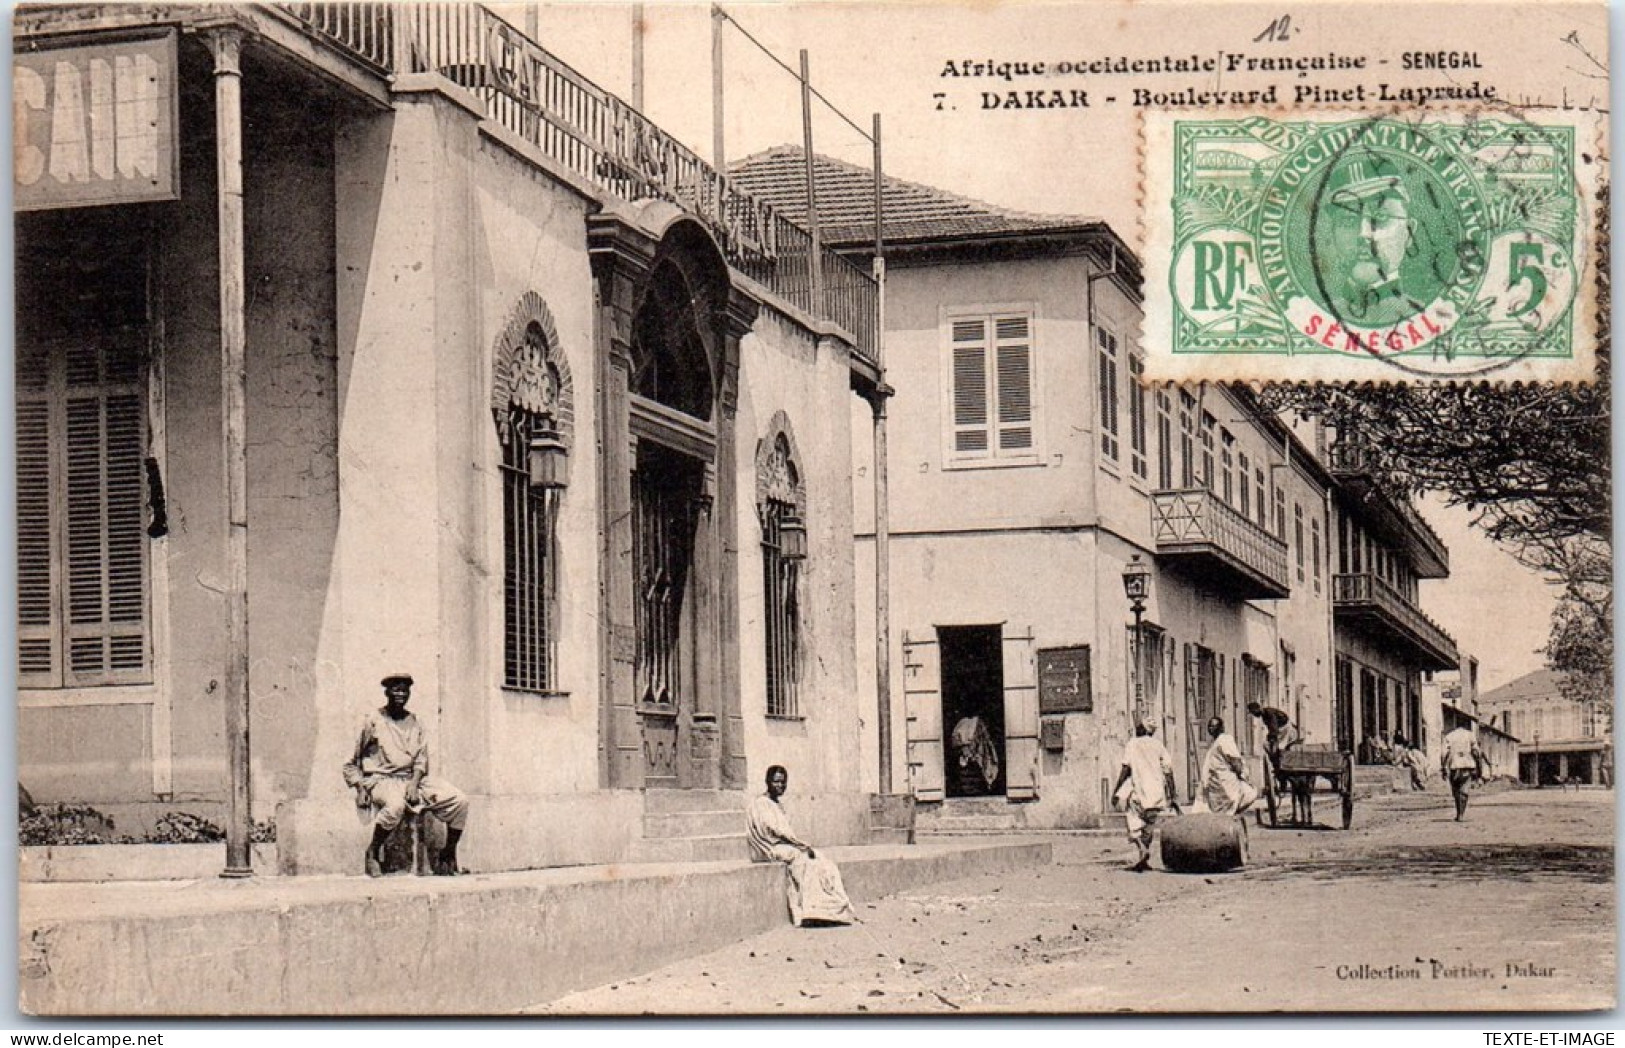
1443	247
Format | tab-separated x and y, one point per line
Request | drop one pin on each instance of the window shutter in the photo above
1015	382
106	564
1106	351
37	653
970	386
83	586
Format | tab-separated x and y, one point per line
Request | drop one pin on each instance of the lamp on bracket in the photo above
549	460
792	537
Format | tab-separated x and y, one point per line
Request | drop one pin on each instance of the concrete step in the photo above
888	835
482	944
691	849
961	823
661	802
693	823
1371	779
973	815
971	806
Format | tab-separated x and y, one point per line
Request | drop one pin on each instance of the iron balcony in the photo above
1389	513
1372	604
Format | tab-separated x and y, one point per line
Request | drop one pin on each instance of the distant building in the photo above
1450	700
1559	738
1028	469
1453	689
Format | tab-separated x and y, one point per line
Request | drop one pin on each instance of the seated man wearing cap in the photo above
390	771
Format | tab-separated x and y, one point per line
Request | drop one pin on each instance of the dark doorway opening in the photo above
973	710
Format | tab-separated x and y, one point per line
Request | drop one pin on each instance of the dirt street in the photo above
1512	909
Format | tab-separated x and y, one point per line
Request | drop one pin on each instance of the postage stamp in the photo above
1410	246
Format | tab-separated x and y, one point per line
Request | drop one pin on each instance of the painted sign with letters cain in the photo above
95	124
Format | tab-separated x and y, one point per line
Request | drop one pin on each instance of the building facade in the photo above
363	339
1028	469
1385	642
1559	739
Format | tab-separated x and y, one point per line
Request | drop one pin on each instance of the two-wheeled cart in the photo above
1299	769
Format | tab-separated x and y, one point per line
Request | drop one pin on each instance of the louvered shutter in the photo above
1013	364
38	656
1106	346
82	547
970	387
106	546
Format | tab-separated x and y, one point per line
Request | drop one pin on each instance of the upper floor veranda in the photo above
531	100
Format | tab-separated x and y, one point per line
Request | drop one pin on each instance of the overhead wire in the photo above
782	65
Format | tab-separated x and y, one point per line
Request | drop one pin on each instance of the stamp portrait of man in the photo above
1373	294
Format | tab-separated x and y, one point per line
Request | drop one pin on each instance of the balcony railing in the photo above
1353	461
1366	594
363	31
1193	522
600	139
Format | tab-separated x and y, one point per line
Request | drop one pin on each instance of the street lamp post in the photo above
1137	585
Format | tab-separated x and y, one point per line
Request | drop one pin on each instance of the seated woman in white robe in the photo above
815	892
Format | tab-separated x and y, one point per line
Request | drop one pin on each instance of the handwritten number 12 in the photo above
1279	31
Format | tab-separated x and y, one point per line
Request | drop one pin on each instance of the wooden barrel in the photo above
1203	842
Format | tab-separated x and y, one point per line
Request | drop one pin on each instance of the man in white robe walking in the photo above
1145	789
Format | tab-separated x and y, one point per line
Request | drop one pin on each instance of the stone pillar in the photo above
620	256
740	315
704	756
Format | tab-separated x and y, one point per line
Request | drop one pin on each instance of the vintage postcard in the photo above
821	509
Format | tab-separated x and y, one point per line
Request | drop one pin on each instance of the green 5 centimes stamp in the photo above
1392	247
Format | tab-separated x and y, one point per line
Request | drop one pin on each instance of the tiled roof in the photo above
1539	684
913	212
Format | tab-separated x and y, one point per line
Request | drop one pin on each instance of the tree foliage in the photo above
1530	461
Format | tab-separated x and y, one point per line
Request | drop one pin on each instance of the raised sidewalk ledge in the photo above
131	862
489	943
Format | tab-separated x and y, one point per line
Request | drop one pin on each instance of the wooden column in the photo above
877	403
883	712
817	252
719	155
226	43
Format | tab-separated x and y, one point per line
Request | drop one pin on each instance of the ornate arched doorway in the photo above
673	442
669	345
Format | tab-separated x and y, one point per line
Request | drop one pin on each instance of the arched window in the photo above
531	406
781	507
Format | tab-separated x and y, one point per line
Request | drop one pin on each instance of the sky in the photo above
892	59
1496	609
